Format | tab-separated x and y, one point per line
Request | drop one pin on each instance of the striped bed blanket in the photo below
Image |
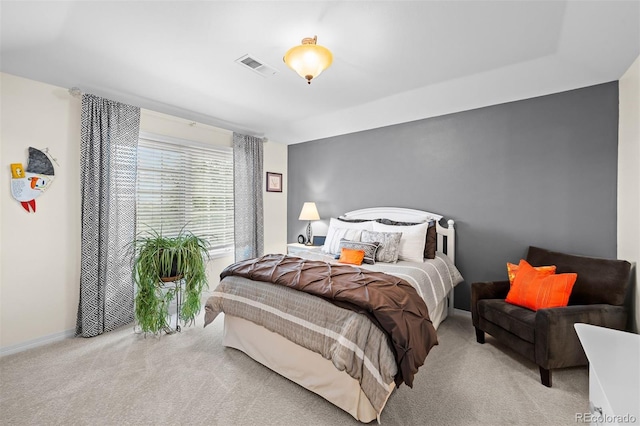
349	339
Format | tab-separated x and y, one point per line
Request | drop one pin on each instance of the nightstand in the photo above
613	374
294	248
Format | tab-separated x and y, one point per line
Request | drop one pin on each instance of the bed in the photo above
337	353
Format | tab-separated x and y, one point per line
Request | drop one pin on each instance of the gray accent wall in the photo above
541	172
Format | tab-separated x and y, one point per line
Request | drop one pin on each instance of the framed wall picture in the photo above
274	182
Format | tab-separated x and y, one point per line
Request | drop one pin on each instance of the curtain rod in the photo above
77	93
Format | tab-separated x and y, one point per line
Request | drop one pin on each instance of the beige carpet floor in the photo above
189	378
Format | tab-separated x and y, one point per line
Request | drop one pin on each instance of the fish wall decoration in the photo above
27	184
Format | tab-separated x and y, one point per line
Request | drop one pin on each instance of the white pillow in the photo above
347	230
412	241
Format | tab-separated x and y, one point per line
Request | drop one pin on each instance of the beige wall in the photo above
275	203
629	175
40	253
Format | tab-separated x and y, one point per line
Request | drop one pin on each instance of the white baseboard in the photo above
462	312
40	341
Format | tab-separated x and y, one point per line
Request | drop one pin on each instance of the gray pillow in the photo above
369	249
346	219
389	244
396	223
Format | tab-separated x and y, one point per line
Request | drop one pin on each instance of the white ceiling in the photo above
394	61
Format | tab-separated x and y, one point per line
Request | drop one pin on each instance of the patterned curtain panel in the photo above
109	139
247	196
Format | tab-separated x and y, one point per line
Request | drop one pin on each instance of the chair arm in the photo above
486	290
556	342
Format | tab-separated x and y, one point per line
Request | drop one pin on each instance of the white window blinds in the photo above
185	184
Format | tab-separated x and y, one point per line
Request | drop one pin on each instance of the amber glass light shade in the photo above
308	59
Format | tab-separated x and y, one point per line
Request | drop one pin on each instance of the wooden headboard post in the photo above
450	233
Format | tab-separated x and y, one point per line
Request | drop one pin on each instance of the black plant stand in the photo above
175	285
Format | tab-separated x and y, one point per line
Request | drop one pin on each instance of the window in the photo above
185	184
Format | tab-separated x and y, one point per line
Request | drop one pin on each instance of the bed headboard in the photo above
400	214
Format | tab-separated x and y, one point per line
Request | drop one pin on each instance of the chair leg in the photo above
479	335
545	377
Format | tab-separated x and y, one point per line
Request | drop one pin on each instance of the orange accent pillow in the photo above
512	270
535	290
351	256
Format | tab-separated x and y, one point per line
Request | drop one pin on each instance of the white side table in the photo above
614	375
294	248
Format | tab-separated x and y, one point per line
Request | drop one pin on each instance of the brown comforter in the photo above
392	302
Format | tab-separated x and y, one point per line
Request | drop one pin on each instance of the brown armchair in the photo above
547	336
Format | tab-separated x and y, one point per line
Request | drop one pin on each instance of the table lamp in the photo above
309	212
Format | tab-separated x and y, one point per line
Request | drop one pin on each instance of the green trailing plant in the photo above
160	259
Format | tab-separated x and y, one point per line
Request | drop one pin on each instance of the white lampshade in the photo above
308	59
309	212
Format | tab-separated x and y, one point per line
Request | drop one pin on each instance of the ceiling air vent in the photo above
256	65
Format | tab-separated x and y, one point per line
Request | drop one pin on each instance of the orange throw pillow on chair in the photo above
351	256
512	270
535	289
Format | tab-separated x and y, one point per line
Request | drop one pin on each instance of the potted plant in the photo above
160	259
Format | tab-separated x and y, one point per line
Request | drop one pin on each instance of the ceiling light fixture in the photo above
308	59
